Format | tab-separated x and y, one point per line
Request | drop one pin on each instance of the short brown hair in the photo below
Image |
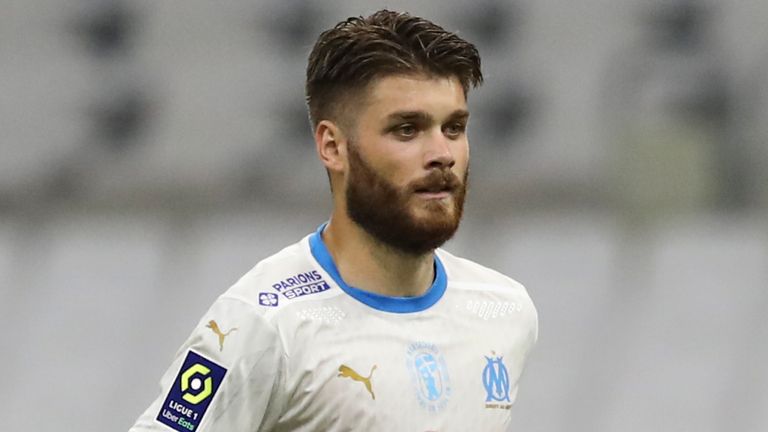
352	54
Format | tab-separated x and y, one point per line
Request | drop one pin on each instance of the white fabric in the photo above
304	363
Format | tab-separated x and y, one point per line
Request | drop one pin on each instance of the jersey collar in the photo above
378	301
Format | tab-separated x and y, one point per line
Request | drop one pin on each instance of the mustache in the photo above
438	180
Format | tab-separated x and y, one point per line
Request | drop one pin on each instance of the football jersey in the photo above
292	347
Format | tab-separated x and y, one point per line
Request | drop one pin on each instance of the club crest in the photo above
429	374
496	383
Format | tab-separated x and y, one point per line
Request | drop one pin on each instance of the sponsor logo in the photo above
301	285
429	374
347	372
215	328
496	383
268	299
191	393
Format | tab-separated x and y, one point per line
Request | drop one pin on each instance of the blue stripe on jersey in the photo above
378	301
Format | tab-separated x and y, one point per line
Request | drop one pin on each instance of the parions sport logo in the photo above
301	284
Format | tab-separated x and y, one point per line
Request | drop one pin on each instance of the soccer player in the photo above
365	324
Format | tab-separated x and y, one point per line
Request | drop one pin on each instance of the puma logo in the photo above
215	327
348	372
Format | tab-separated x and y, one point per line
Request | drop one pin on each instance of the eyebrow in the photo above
423	117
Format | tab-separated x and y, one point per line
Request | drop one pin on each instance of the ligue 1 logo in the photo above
187	382
191	393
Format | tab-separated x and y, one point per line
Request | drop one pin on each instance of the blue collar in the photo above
378	301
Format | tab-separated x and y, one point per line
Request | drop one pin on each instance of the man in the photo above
365	325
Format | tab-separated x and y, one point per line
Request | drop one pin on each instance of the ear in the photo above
330	143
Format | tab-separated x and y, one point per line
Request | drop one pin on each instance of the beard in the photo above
391	214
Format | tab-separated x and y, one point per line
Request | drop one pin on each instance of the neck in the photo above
367	264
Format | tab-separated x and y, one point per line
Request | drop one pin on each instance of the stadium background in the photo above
153	151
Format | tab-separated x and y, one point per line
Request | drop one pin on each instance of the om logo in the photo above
496	380
196	383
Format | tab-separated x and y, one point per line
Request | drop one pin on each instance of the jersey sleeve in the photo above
226	377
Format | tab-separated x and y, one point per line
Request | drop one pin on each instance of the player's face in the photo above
408	162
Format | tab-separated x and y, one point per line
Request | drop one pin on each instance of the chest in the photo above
439	371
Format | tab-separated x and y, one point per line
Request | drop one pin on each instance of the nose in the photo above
438	152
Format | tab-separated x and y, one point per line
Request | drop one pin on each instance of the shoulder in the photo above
252	307
462	271
279	280
488	292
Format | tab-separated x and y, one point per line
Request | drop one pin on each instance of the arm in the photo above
222	380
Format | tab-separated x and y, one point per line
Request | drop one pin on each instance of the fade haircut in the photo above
349	56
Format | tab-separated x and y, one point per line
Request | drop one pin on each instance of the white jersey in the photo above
292	347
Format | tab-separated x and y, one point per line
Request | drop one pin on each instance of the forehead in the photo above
439	96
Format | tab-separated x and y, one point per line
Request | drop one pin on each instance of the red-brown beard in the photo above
385	211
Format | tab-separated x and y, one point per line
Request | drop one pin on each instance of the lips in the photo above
435	189
437	182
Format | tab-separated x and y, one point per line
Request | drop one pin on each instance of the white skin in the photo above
401	149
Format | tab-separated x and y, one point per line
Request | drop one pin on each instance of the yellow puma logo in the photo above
348	372
215	327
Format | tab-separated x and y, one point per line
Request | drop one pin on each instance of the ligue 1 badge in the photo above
191	393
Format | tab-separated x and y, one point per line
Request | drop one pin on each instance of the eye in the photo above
455	129
405	131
